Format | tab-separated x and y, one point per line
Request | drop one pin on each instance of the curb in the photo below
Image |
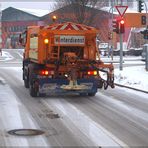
131	88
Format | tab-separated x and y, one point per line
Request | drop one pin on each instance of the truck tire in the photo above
26	83
25	78
91	94
33	89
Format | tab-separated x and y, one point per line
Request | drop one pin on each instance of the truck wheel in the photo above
91	94
26	83
33	89
26	79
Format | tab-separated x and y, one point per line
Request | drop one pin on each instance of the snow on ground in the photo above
13	115
136	77
11	107
6	56
126	59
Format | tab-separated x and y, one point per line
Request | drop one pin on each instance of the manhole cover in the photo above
25	132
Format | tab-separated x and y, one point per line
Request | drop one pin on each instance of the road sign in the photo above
121	10
139	20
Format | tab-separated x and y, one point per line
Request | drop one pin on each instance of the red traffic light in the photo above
122	22
118	25
122	27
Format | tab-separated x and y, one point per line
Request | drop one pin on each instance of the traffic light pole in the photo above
146	56
146	59
121	51
112	52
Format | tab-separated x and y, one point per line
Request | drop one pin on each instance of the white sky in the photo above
38	7
45	5
30	5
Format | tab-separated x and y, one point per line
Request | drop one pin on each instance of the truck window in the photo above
33	41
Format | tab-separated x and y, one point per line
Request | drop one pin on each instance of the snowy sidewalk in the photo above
126	59
136	77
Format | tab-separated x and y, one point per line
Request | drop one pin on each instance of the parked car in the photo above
103	48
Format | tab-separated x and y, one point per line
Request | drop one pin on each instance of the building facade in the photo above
14	21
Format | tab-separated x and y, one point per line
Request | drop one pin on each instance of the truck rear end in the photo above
61	58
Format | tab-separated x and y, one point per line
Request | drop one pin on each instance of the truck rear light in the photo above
46	41
92	72
46	72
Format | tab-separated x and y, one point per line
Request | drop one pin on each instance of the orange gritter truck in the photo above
61	59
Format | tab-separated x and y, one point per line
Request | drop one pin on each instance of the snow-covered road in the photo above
114	117
72	128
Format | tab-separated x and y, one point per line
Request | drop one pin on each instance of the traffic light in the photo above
119	25
54	18
145	34
140	5
115	25
143	20
122	27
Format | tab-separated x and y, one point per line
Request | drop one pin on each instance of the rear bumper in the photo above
54	86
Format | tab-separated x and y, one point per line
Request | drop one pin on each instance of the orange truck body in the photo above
68	53
38	52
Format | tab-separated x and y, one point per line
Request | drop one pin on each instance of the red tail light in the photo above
94	73
46	72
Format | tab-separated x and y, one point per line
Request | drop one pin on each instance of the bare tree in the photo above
82	9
